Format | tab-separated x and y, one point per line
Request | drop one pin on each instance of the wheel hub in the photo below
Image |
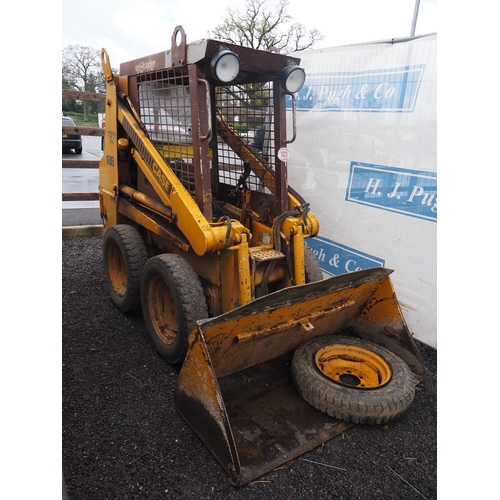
117	270
353	366
162	310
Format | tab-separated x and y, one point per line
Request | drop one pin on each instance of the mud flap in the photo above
235	388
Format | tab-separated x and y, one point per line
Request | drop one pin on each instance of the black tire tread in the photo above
312	266
135	253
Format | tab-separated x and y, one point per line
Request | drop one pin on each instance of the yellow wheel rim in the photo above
353	366
117	270
162	310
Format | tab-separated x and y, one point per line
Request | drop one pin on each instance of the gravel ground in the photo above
122	437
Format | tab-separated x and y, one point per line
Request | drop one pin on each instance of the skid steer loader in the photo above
204	235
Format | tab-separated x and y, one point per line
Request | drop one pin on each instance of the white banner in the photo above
365	159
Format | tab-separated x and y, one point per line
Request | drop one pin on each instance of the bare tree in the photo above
259	28
81	70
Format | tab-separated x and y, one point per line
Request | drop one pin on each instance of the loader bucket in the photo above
235	388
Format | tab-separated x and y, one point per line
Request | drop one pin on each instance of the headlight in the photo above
292	78
225	66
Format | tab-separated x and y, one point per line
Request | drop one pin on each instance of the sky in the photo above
129	29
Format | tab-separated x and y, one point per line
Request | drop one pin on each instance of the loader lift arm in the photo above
182	210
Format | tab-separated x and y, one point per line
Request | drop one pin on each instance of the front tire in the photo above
352	379
172	301
124	255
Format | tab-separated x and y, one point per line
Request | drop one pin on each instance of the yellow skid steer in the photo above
204	235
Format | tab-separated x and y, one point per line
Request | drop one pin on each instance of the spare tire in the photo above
352	379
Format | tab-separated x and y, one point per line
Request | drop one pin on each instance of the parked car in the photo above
163	128
71	141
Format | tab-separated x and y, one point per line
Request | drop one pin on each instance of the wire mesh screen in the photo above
165	110
245	127
248	110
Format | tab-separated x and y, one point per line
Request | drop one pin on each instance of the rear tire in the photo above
79	150
172	301
124	255
312	266
352	379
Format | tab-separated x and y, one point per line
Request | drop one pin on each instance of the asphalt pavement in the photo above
82	215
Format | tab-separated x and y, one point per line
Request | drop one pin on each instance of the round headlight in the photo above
225	66
292	79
